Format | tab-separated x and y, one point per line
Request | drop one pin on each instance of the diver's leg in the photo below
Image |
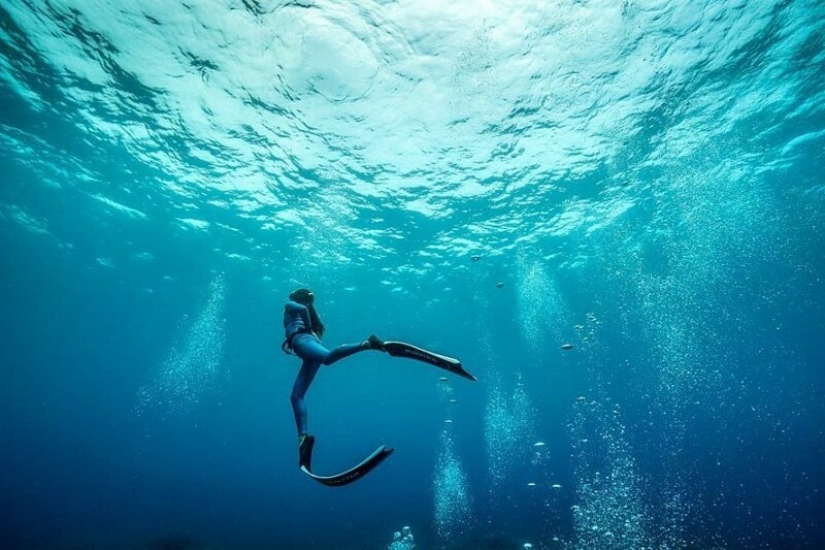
305	377
344	351
310	348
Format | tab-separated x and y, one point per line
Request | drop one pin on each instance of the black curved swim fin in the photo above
403	349
346	477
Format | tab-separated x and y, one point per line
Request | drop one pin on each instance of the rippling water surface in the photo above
493	179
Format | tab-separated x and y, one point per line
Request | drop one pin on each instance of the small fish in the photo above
531	484
579	327
581	399
567	346
453	401
448	421
499	285
475	258
539	444
556	486
443	379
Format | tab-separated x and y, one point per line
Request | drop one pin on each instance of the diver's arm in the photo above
301	310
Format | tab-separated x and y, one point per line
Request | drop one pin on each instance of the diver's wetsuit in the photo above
308	347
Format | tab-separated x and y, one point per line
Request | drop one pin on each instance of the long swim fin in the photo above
348	476
403	349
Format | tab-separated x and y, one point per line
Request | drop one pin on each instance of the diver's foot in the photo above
375	343
305	443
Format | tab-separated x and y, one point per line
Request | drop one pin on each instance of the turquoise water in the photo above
490	180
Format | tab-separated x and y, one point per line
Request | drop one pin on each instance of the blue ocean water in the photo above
490	180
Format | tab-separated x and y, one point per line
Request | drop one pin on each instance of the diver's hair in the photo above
302	296
317	326
307	298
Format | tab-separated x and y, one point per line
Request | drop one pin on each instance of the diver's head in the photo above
303	296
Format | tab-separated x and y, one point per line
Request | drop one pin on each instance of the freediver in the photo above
304	330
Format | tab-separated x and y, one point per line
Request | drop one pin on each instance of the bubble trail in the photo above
540	305
508	430
453	510
610	513
194	364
